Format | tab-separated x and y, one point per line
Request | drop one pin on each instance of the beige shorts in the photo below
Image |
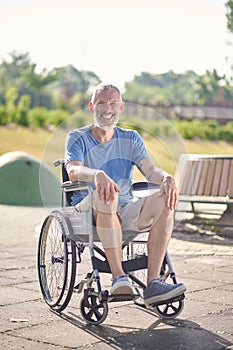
128	214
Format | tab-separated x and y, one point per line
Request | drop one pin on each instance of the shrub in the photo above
226	132
57	116
204	129
38	116
3	115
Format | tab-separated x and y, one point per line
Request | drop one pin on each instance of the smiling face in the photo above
106	108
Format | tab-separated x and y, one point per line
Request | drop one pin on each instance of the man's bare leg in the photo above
155	212
159	236
109	231
157	245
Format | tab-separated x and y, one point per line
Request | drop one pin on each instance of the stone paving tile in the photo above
9	342
227	268
24	315
54	333
193	308
219	323
194	284
5	281
210	261
180	338
213	276
13	295
30	285
226	287
214	295
21	275
10	264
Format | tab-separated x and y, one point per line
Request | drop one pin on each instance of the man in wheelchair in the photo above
104	155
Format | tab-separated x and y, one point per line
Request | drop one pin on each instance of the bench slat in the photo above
230	181
217	177
209	178
224	178
197	176
203	176
184	181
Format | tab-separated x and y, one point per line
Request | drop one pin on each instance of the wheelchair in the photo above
65	235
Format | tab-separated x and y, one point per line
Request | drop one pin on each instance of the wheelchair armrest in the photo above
144	185
69	186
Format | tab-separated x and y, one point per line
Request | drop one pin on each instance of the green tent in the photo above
26	181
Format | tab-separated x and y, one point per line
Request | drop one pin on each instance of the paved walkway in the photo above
204	263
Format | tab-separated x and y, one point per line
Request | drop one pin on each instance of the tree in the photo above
20	72
71	82
209	85
167	88
12	73
229	14
37	83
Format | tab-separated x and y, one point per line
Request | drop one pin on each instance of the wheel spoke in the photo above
175	309
90	314
165	311
97	314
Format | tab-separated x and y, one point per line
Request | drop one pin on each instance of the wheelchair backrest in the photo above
66	196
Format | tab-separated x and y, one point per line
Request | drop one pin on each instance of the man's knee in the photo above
102	207
156	213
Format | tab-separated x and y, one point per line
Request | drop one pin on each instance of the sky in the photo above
118	39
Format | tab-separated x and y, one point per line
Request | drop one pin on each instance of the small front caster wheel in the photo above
93	311
169	310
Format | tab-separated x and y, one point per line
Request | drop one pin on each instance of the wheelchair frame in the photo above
64	236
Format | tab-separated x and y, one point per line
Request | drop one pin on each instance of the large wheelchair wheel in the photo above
56	262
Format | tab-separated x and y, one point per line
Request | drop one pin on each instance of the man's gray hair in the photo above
103	86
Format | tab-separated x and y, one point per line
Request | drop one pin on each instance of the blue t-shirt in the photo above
116	157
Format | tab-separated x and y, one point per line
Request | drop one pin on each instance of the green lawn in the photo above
49	146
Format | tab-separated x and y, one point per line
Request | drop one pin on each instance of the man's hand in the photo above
106	188
168	187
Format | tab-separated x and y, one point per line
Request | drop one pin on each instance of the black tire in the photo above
56	262
93	311
169	310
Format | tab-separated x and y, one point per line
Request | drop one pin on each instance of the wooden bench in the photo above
204	179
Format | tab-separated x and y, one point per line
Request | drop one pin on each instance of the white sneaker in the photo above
121	285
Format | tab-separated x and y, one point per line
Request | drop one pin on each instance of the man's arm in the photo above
160	177
77	172
105	186
151	173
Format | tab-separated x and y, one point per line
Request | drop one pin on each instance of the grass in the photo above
49	146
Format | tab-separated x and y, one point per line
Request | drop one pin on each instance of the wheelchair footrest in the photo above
122	297
168	301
